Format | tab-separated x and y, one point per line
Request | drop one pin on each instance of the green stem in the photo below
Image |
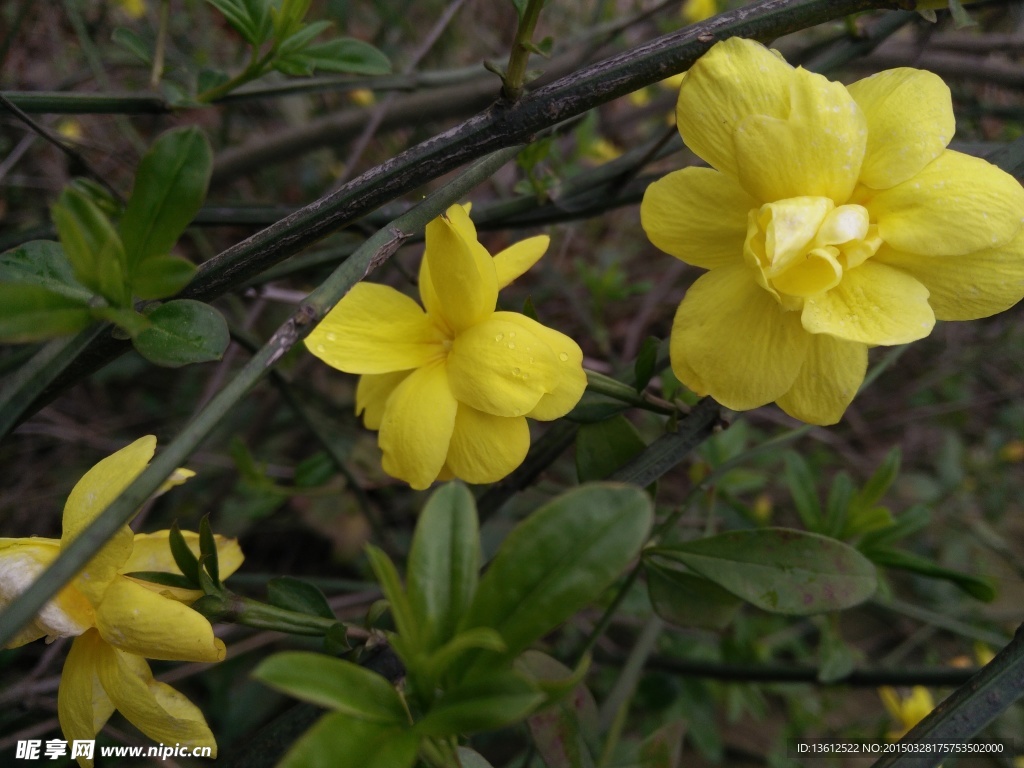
256	68
253	613
518	57
371	255
161	46
609	387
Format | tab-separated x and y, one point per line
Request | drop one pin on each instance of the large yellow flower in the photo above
117	621
450	388
833	219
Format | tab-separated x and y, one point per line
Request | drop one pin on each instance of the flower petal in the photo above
570	378
417	426
155	708
21	562
152	552
83	707
744	349
910	122
956	205
518	258
375	329
372	395
698	215
816	151
138	620
501	366
460	270
873	304
93	494
968	287
737	78
829	378
486	448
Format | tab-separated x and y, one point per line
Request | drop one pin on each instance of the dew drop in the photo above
517	412
515	371
499	337
511	345
320	348
562	356
332	337
511	334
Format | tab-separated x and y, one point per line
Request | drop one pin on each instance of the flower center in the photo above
801	246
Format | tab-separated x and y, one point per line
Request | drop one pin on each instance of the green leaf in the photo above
32	313
343	54
469	758
164	579
482	705
604	447
803	486
170	186
184	331
687	600
444	562
664	747
42	263
445	657
520	7
288	17
336	639
208	550
161	276
251	18
132	42
409	630
593	408
338	741
976	586
208	79
183	555
646	360
837	506
879	482
558	560
567	734
127	319
299	596
301	38
836	659
92	245
340	685
781	570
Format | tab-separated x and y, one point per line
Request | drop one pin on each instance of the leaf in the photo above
340	685
336	639
409	630
184	331
976	586
43	263
299	596
183	555
127	319
567	734
31	313
444	562
604	447
558	560
445	657
469	758
520	7
338	741
781	570
646	360
482	705
836	660
837	506
132	42
343	54
251	18
208	79
162	276
163	578
287	17
170	186
803	487
92	246
593	408
208	555
687	600
664	747
879	482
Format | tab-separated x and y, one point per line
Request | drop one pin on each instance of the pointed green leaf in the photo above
161	276
183	556
127	319
780	570
336	639
338	741
483	705
343	54
132	42
558	560
333	683
646	360
92	246
297	595
452	652
803	486
408	628
444	562
208	550
976	586
879	483
170	186
42	263
163	578
604	447
687	600
32	313
184	331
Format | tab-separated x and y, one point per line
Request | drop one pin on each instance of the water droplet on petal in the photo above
332	337
511	345
511	334
562	356
515	371
517	412
499	337
320	348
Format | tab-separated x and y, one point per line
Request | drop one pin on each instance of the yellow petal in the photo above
152	552
375	329
910	122
83	707
518	258
372	395
874	304
570	378
736	79
156	709
486	448
417	426
502	366
140	621
745	350
966	287
21	562
698	215
461	271
93	494
829	378
816	151
958	204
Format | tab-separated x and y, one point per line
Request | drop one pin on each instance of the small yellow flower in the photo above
907	712
117	621
832	219
698	10
70	129
362	97
450	388
133	9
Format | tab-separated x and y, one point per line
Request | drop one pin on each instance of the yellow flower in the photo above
117	621
698	10
450	388
832	219
907	712
133	9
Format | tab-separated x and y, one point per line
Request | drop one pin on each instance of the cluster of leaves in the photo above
464	639
99	270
